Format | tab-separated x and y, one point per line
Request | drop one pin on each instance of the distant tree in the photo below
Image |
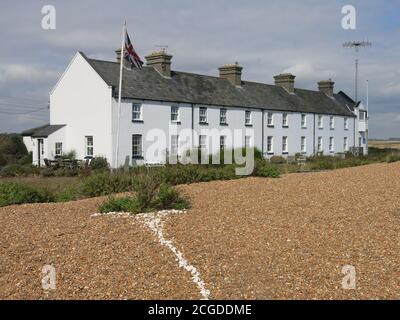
12	148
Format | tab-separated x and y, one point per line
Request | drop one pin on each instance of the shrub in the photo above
47	172
99	163
104	184
146	187
264	169
26	160
277	160
121	205
68	194
3	160
14	170
70	155
12	147
15	193
393	158
168	198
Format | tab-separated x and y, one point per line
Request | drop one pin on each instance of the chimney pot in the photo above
232	73
161	61
326	86
118	55
286	81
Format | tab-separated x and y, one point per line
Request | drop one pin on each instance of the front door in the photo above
40	151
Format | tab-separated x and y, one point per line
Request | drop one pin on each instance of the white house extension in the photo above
180	111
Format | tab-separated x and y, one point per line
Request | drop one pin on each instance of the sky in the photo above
266	37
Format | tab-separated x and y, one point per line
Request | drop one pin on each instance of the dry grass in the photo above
53	184
284	238
385	144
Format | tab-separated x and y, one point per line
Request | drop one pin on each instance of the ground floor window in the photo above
320	144
222	142
346	144
89	146
270	146
174	145
137	146
284	144
58	149
303	145
203	142
247	141
331	144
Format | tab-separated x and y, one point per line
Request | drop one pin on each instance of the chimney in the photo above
118	53
286	81
326	86
232	73
161	61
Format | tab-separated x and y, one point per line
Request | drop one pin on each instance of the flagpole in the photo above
120	92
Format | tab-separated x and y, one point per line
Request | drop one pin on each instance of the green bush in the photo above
146	187
277	160
12	147
47	172
264	169
68	194
99	163
393	158
15	193
168	198
105	184
127	204
70	155
26	160
3	160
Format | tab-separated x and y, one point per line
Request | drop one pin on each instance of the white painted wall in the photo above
82	101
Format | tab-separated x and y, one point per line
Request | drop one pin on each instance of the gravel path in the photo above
254	238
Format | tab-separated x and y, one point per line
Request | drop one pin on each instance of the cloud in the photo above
19	72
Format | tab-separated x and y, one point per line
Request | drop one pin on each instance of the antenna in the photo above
162	47
357	45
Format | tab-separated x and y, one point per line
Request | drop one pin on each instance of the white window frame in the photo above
364	113
346	123
174	147
58	150
136	114
137	146
331	144
247	118
223	116
303	120
247	142
203	115
175	114
345	144
303	144
285	145
332	122
270	119
89	146
285	120
320	145
222	143
320	122
203	142
270	144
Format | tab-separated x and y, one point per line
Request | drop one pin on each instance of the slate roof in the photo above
42	131
148	84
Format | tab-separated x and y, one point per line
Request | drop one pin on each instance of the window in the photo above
362	115
248	118
303	121
203	142
247	141
332	123
136	112
89	146
270	119
320	144
285	121
137	146
359	141
303	145
174	145
346	123
174	114
270	144
346	144
320	122
331	144
58	148
222	141
203	115
222	116
284	144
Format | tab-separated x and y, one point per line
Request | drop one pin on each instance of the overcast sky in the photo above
266	37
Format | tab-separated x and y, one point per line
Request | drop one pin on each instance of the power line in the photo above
21	98
26	112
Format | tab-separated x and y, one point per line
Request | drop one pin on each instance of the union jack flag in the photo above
130	54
